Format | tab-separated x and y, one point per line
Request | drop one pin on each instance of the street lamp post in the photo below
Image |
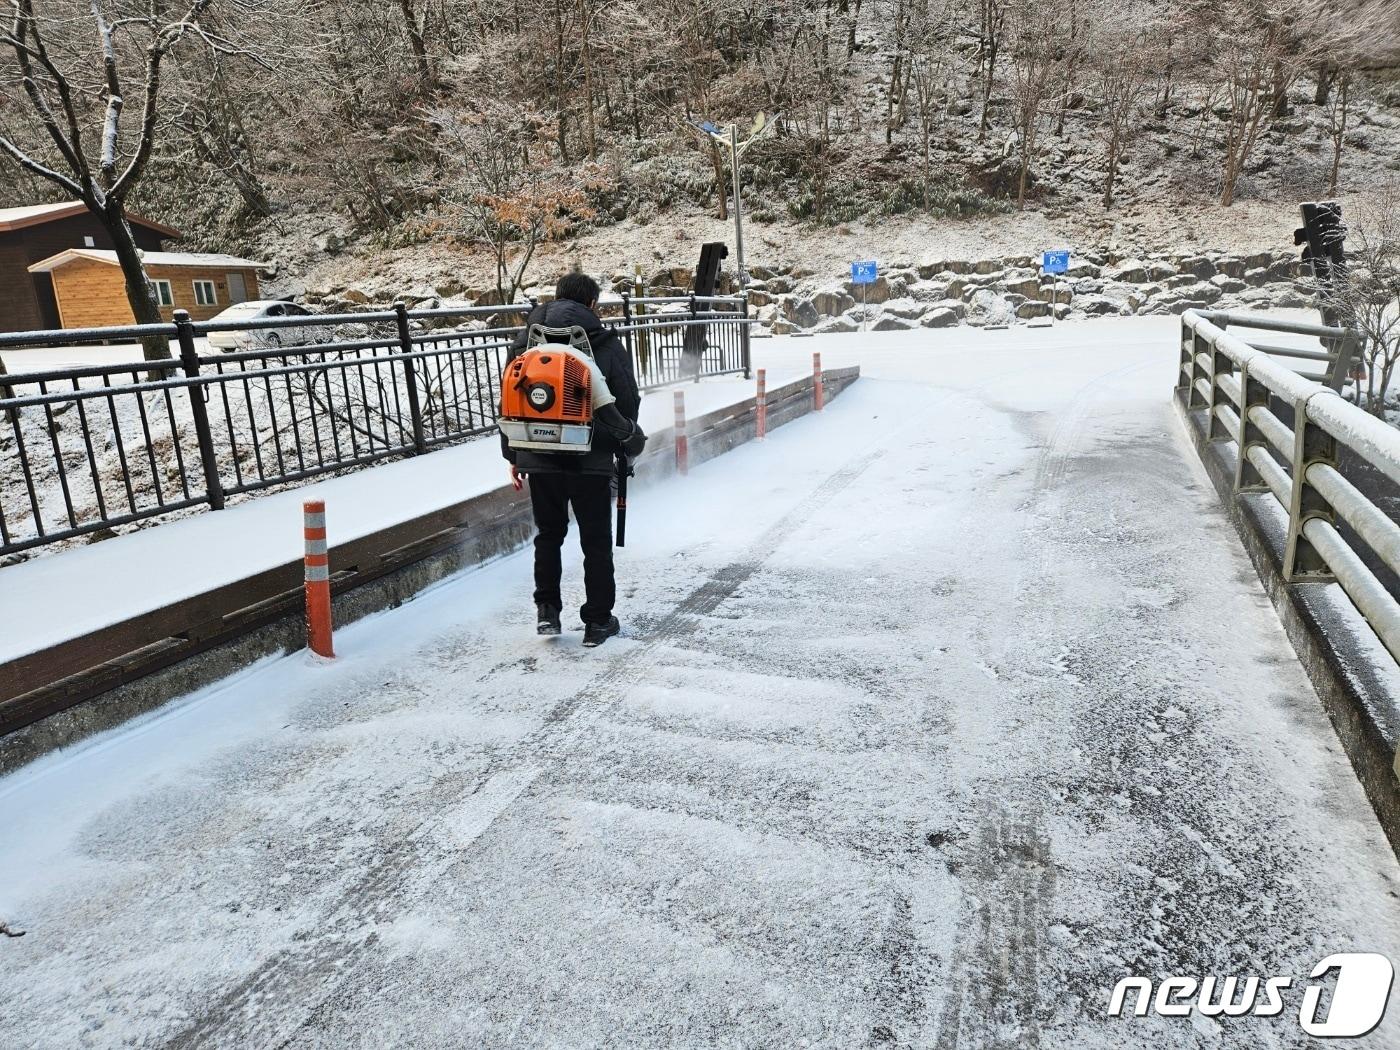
729	137
738	208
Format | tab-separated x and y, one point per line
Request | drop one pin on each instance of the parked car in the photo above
266	338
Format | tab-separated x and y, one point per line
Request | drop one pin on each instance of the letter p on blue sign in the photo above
863	272
1055	262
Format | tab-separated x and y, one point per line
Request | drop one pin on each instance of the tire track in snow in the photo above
283	995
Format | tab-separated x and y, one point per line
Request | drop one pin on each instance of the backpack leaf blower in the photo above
550	392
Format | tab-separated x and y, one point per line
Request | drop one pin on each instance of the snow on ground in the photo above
66	595
52	358
935	716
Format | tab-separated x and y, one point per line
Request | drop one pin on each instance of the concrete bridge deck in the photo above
937	714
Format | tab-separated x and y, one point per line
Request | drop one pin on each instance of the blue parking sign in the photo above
1055	261
863	272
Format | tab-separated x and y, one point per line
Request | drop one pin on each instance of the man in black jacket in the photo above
560	480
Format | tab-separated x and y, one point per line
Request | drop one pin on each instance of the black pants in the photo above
591	497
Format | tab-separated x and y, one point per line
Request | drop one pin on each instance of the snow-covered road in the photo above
937	715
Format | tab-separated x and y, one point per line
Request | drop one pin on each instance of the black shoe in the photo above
595	634
548	619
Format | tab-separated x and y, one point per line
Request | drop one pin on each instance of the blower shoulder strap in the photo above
570	335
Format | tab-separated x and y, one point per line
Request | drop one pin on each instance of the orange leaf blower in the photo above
550	392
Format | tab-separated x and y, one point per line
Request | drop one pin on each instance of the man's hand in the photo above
517	479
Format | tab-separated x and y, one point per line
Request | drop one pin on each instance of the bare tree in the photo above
991	30
69	86
506	203
1124	61
1038	49
1369	299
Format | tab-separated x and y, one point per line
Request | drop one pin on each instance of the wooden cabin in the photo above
91	290
31	234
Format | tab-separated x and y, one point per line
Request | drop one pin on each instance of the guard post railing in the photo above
1288	428
92	448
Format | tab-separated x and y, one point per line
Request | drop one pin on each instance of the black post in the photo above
744	346
410	378
189	363
623	470
695	340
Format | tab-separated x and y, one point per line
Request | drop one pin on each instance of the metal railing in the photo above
89	449
1336	350
1288	430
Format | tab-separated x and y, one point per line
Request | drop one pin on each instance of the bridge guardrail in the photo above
1236	384
89	449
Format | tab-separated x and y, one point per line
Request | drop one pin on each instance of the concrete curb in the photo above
263	616
1360	704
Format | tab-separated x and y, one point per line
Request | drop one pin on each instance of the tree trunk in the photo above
1025	170
1339	132
140	293
987	90
1112	169
721	188
415	40
1326	75
588	89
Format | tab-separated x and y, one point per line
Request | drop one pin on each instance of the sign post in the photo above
863	272
1052	264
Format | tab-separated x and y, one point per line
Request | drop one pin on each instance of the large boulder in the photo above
799	311
832	303
1228	284
1020	284
1230	267
1083	269
1203	291
1129	271
844	323
759	297
987	307
1098	305
909	309
939	317
1288	297
1197	266
928	291
671	277
1160	271
877	291
1055	292
887	323
1033	308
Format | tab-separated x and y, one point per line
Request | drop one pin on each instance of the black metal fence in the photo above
86	450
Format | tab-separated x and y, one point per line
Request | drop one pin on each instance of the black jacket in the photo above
613	360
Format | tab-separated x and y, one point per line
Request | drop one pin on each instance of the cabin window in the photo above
164	295
88	242
204	293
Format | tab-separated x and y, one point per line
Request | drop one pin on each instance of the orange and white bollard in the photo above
682	445
818	397
318	579
761	401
